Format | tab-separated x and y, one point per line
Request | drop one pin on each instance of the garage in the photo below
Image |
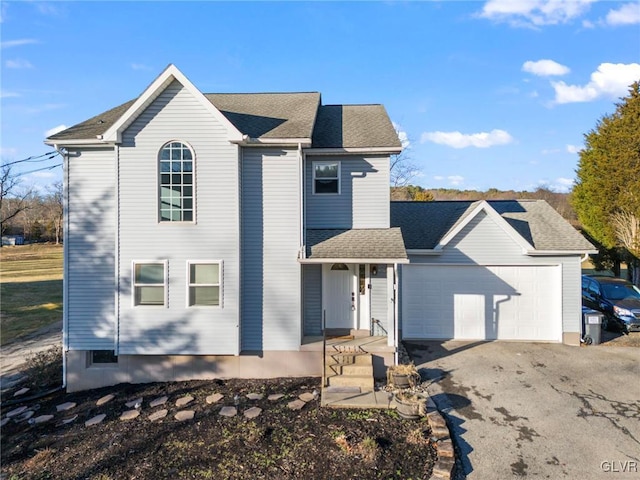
472	302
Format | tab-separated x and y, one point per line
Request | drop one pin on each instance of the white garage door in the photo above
482	303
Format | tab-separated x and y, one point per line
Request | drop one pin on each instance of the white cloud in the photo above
8	151
628	14
18	43
610	80
560	184
402	135
550	151
573	148
439	178
5	94
462	140
140	66
19	63
545	68
534	13
54	130
455	180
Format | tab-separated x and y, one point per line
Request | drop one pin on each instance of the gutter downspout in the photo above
65	257
395	307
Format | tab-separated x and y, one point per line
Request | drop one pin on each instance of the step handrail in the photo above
324	348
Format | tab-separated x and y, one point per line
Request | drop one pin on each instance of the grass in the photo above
30	289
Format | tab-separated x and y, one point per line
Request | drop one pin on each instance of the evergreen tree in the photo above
607	192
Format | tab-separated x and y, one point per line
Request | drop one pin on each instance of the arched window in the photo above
176	183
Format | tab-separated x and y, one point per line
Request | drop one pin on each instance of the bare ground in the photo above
313	443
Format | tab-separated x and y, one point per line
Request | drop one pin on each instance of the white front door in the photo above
338	295
364	295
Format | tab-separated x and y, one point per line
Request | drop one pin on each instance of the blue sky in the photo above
494	94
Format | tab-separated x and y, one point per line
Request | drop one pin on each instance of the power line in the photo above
36	158
38	170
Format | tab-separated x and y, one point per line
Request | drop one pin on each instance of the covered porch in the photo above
350	304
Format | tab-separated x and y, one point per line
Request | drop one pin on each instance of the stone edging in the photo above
440	436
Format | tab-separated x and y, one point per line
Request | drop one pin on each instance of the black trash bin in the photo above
591	326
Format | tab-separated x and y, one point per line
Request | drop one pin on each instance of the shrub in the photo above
44	368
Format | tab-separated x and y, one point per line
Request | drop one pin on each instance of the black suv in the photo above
618	299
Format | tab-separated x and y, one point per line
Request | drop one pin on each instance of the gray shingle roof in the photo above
269	115
369	243
97	125
277	115
424	224
354	126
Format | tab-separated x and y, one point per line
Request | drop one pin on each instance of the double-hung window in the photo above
204	283
326	177
176	183
149	283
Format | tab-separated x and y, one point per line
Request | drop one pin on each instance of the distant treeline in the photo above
559	201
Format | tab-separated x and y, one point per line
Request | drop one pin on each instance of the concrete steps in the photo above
349	369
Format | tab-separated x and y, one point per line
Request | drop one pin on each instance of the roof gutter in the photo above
52	142
352	260
424	251
342	151
548	253
248	141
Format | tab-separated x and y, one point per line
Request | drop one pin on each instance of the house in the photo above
222	235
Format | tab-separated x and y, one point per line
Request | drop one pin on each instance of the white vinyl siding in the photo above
363	201
176	114
271	277
90	280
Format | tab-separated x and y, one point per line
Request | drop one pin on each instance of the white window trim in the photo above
339	178
165	264
220	283
159	220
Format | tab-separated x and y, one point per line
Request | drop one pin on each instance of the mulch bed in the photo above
311	443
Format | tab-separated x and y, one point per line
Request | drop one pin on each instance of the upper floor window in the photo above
176	183
326	177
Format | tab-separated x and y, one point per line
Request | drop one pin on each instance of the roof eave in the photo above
424	251
352	260
548	253
79	142
343	150
247	141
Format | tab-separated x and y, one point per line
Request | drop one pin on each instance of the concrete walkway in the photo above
538	410
14	354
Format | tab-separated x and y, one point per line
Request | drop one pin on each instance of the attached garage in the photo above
489	270
482	302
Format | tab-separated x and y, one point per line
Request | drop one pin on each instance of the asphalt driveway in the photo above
537	410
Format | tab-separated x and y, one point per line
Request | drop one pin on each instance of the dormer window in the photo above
176	183
326	178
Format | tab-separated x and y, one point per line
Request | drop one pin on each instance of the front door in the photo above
338	295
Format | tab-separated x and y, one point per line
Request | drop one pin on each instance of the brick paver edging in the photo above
443	468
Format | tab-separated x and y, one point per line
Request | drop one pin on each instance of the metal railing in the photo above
324	348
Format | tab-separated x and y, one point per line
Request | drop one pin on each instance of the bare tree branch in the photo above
13	200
